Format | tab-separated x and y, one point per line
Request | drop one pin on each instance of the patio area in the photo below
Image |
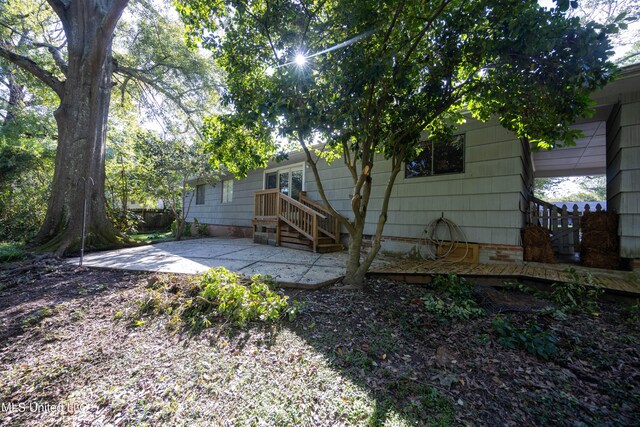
290	267
301	269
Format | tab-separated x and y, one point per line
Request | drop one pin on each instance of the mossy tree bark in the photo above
83	85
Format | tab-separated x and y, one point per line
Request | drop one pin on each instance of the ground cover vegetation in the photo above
348	357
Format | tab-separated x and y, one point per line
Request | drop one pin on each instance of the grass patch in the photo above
11	252
155	237
415	404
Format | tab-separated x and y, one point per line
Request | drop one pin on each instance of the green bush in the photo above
579	295
454	299
633	314
243	302
11	252
531	338
201	229
218	293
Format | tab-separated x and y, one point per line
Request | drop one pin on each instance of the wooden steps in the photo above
299	224
290	238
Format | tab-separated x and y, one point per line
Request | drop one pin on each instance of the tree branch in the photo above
29	65
422	33
111	19
56	54
314	168
59	7
136	75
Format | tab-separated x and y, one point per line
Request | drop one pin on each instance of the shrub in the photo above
633	314
242	302
197	302
11	252
579	295
455	300
531	338
201	229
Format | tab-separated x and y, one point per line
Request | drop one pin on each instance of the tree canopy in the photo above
378	74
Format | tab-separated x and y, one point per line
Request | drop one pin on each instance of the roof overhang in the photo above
589	155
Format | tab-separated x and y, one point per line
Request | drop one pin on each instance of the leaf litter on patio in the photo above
350	358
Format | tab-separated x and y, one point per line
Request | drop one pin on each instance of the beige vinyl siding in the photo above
485	200
238	212
623	173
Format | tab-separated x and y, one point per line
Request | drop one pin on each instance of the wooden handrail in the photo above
331	226
268	191
304	219
316	205
301	206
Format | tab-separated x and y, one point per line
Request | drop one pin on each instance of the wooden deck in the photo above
620	281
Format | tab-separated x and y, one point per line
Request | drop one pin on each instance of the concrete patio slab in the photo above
289	267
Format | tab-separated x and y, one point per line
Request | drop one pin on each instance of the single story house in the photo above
483	183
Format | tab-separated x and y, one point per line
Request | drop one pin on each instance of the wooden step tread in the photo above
295	240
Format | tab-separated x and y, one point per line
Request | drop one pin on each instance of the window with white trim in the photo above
289	180
227	191
200	189
438	157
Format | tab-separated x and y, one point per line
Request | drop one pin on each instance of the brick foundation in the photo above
635	265
487	253
226	231
500	254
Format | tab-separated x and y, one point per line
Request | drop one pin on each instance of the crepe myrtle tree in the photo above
365	79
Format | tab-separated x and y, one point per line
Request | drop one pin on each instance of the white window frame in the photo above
291	167
204	192
227	193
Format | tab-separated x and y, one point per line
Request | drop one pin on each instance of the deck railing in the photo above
562	223
265	204
330	225
271	206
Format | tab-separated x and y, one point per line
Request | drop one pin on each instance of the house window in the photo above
438	158
289	180
227	191
200	194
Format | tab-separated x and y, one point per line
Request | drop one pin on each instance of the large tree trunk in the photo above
82	124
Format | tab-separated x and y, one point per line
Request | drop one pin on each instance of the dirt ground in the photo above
69	356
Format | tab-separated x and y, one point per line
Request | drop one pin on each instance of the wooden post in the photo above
553	213
576	229
278	219
315	233
564	223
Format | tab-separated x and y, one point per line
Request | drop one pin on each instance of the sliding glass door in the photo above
288	180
